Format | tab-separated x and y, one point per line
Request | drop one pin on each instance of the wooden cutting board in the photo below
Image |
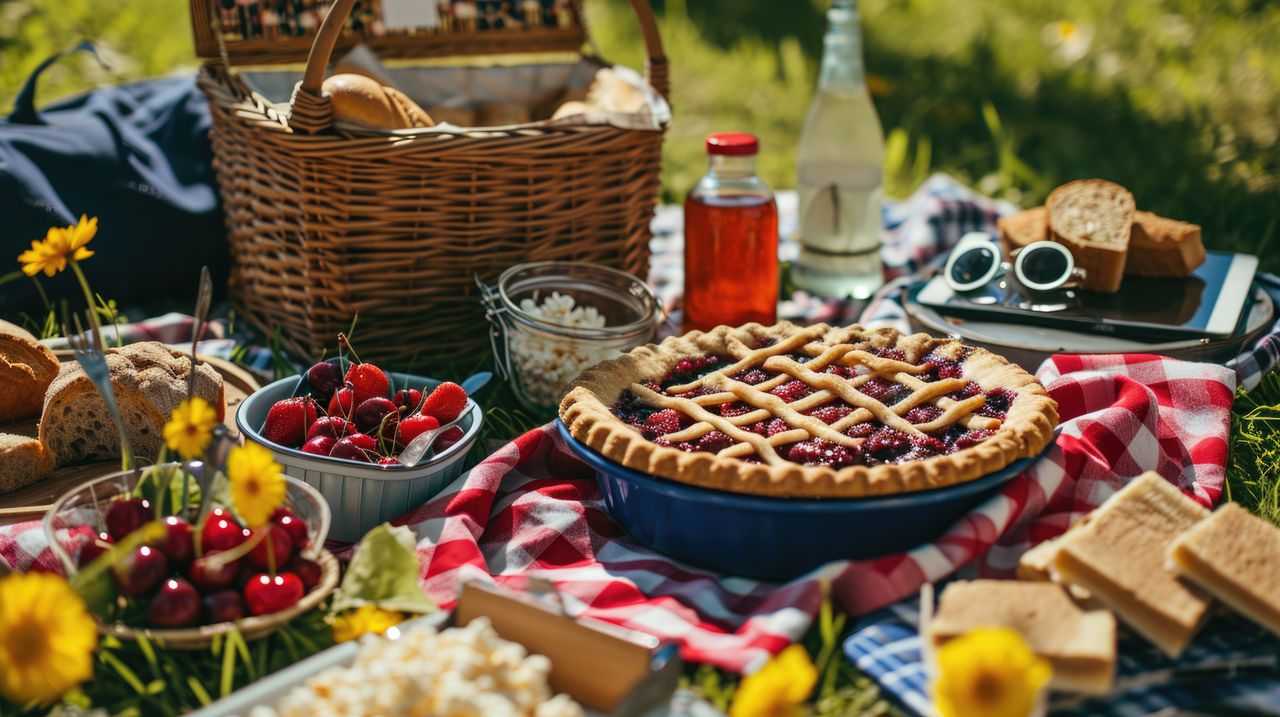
31	502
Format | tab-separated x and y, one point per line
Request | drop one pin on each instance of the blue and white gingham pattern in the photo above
886	646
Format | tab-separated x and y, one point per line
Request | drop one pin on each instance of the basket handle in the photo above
311	112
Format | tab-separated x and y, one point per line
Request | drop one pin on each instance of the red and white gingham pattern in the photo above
532	509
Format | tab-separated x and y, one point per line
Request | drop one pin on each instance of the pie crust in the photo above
1026	428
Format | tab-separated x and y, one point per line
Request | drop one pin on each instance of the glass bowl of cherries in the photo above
158	551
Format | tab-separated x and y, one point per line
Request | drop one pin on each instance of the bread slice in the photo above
1119	556
1081	645
1163	247
23	461
27	367
1037	565
1094	218
149	381
1025	227
1235	557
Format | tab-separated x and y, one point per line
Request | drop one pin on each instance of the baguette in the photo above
23	461
149	381
1081	645
1094	218
1119	556
1234	556
27	367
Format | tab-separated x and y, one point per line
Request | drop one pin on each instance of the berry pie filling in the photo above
832	406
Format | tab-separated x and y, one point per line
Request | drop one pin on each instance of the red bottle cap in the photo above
732	143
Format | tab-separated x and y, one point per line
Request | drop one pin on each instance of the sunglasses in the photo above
1040	266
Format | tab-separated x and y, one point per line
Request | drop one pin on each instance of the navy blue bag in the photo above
137	156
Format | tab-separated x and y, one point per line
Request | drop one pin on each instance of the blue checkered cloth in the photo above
1231	665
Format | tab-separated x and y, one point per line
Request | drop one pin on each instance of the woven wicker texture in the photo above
323	225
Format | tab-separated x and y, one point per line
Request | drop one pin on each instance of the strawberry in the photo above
288	421
414	426
446	402
407	398
343	403
367	381
388	461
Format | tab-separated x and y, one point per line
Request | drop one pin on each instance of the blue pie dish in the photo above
776	539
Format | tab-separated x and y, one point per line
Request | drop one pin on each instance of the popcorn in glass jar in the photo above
553	320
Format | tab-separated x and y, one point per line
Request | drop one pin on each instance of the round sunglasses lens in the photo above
1044	266
972	265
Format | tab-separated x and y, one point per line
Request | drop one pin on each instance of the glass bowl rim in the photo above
639	326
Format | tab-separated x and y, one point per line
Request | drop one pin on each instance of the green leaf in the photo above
384	571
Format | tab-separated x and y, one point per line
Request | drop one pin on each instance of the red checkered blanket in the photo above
533	510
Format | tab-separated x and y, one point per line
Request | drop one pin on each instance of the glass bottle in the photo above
839	171
730	240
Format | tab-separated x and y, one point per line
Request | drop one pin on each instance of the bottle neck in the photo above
842	49
724	166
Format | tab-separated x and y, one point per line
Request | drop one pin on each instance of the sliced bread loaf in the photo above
1163	247
1026	227
1080	644
149	381
27	367
1094	218
23	461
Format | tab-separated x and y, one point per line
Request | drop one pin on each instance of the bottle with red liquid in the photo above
730	240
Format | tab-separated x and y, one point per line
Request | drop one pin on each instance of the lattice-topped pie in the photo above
815	411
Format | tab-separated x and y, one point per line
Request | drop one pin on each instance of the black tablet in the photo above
1206	304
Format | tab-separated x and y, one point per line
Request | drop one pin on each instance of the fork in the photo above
204	297
88	351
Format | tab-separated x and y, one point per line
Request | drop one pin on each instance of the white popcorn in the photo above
546	364
460	672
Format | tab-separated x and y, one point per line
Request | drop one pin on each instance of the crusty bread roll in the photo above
149	381
610	92
23	461
1093	218
27	367
1235	556
1158	247
1120	555
360	100
1081	645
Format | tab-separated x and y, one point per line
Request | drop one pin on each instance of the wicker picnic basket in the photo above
325	223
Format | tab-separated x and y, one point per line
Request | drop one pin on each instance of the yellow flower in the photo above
47	638
190	428
989	672
60	245
779	688
257	486
367	618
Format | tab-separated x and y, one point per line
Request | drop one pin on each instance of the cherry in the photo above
209	575
224	606
447	439
332	426
346	448
368	415
320	445
266	594
363	441
94	549
388	461
293	525
140	571
126	516
278	541
324	378
179	540
414	426
309	571
177	604
343	402
408	399
221	532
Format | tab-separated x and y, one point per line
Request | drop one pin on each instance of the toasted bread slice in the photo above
1119	556
1081	645
1037	565
1094	218
1163	247
1235	557
1026	227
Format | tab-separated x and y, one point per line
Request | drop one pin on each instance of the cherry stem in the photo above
271	552
382	427
343	341
241	550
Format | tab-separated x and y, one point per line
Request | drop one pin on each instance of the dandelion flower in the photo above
60	246
190	428
257	485
779	688
367	618
47	638
989	672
